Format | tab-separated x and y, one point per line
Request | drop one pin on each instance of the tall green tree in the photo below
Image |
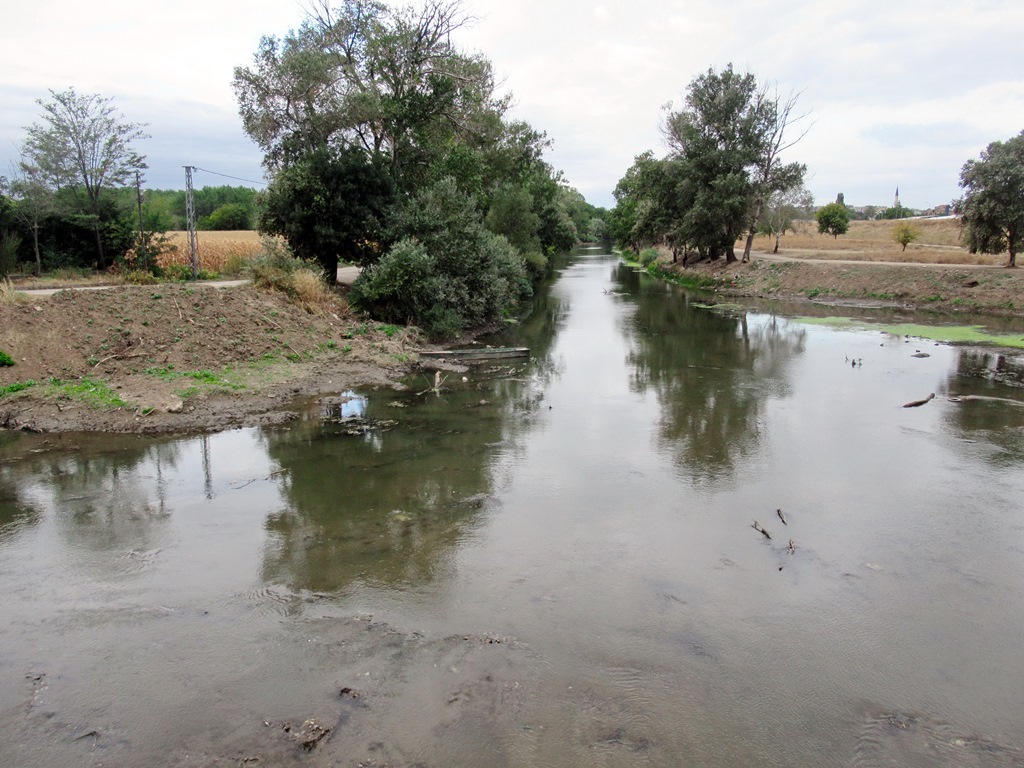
719	134
84	144
329	206
992	208
367	74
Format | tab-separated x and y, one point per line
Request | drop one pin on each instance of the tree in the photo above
232	216
992	210
770	176
329	206
729	137
33	203
833	219
84	145
385	79
511	214
782	211
904	234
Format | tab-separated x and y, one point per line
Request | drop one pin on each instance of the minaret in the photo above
896	202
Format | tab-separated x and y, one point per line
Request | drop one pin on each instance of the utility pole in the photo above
190	217
143	250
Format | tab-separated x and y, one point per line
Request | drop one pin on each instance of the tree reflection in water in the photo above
711	369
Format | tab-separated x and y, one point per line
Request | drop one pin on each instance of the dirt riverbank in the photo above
170	358
946	289
181	358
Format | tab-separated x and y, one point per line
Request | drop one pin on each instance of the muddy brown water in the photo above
548	564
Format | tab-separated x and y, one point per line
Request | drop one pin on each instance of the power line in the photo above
236	178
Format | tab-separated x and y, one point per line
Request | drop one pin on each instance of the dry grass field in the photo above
938	243
223	252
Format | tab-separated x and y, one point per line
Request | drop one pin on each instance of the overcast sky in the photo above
898	93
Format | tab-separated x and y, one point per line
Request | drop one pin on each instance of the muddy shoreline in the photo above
179	358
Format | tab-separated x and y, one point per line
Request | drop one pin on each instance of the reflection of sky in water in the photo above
354	407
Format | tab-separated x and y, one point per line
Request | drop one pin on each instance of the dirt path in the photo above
954	289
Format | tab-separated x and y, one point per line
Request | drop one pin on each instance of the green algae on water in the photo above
949	334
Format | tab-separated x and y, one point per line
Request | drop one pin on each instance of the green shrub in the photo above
5	359
140	277
278	270
537	264
648	256
447	272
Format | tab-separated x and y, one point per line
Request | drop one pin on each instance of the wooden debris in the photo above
757	527
917	403
782	517
791	547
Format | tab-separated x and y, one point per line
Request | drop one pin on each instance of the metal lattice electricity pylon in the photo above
190	218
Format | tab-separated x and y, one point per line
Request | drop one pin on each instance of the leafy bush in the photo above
537	264
447	272
648	256
278	270
5	359
140	277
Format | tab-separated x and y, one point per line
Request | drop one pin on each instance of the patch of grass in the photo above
696	282
10	296
5	359
883	295
934	297
17	386
90	391
204	377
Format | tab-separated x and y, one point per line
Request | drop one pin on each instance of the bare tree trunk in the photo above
1011	242
99	246
776	243
35	246
748	245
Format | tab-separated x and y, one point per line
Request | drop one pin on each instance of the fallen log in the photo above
782	517
917	403
757	527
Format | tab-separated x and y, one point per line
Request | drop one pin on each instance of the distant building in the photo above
896	200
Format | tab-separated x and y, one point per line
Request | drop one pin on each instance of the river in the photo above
549	563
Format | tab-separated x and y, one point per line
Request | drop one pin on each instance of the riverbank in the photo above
947	289
184	357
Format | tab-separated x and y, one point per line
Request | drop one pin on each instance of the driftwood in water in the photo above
757	527
782	517
791	547
917	403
